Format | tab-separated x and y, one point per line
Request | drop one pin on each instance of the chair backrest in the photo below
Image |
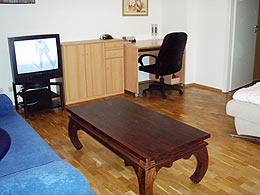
171	53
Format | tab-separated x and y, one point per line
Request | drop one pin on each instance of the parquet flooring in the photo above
234	164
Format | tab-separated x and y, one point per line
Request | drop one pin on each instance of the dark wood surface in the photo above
145	139
151	135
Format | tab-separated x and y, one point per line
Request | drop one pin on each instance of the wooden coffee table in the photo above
145	139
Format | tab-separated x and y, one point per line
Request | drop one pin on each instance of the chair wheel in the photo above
180	92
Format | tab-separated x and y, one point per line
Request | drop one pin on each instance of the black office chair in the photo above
168	61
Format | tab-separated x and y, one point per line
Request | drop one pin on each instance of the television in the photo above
35	58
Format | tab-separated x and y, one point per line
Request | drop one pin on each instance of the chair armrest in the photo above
140	59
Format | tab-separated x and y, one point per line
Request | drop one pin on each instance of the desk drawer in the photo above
117	53
113	45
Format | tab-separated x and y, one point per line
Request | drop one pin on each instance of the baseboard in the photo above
146	82
188	85
203	87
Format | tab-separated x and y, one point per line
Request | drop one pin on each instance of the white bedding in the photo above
249	94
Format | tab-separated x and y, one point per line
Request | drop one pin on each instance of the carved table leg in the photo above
145	179
202	165
73	129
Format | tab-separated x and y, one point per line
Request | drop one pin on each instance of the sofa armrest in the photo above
243	110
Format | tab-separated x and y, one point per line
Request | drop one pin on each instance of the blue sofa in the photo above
30	166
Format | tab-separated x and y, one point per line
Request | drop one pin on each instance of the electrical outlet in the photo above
1	90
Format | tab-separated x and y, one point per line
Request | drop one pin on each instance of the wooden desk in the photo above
131	53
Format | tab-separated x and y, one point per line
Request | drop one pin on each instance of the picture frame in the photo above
17	1
135	7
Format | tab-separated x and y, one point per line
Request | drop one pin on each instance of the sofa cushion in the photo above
6	104
57	177
27	150
249	94
5	142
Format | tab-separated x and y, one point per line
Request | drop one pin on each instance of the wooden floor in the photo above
234	164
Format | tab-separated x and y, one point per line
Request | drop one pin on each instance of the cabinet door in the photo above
74	73
95	69
115	75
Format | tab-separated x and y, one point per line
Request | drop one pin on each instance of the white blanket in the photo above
249	94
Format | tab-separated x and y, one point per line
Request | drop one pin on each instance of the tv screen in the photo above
35	58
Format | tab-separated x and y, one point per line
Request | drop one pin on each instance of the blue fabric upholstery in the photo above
31	167
27	150
55	178
6	105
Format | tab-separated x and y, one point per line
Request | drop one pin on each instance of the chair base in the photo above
162	88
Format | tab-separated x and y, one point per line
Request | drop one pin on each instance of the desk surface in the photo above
147	44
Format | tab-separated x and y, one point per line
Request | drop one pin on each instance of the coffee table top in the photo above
145	133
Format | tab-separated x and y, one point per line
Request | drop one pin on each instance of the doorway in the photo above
256	76
244	43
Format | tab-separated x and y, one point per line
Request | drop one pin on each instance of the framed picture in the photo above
135	7
17	1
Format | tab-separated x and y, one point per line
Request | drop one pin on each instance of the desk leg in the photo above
202	165
131	68
73	134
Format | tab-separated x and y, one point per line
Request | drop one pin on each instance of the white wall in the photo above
206	23
211	40
73	20
177	16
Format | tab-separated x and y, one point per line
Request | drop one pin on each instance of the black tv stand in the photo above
38	96
36	85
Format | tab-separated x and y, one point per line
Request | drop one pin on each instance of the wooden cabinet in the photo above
114	67
95	69
74	72
92	69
